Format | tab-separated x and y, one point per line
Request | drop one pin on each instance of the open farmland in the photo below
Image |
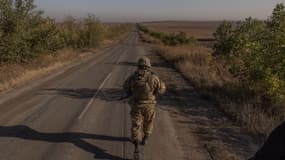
200	30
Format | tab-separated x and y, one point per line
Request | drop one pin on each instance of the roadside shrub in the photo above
69	31
25	34
172	39
91	32
256	51
114	30
223	36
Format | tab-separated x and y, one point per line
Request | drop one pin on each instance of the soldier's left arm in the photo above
127	86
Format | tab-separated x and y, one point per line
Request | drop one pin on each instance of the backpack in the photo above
141	88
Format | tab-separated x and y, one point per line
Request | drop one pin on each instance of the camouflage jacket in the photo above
155	86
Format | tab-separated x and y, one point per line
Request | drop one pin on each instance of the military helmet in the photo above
144	62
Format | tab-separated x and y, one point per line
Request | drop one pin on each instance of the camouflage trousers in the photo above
142	118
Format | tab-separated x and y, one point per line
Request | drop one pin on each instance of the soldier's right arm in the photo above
160	86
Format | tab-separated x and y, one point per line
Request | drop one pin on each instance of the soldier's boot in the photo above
137	151
144	140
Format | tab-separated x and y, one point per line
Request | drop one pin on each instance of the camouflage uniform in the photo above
142	102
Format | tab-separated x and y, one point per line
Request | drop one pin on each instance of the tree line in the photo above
26	34
171	39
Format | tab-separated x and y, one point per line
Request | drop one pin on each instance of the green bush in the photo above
69	32
223	36
256	50
25	34
92	32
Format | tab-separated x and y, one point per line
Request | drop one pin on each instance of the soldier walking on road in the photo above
142	88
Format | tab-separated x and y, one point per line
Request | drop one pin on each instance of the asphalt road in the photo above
77	116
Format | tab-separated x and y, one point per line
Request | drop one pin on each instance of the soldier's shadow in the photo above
135	64
74	138
107	94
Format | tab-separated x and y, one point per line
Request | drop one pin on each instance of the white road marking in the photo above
94	96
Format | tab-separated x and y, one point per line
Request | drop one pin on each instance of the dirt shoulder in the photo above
203	131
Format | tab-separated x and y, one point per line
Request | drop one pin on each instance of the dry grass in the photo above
211	77
148	39
256	120
200	30
14	75
196	63
215	84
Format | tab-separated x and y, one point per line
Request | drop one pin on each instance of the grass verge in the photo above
210	76
17	74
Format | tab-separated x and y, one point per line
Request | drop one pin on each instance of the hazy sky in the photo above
148	10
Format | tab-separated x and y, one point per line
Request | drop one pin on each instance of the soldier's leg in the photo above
149	116
137	119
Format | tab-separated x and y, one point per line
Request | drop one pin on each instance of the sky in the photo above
157	10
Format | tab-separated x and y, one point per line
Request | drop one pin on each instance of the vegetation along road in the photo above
61	86
77	115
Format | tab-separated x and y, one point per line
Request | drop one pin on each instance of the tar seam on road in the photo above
120	57
209	152
94	96
124	130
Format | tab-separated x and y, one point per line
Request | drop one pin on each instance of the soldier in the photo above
142	88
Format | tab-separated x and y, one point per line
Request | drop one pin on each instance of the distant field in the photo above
200	30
